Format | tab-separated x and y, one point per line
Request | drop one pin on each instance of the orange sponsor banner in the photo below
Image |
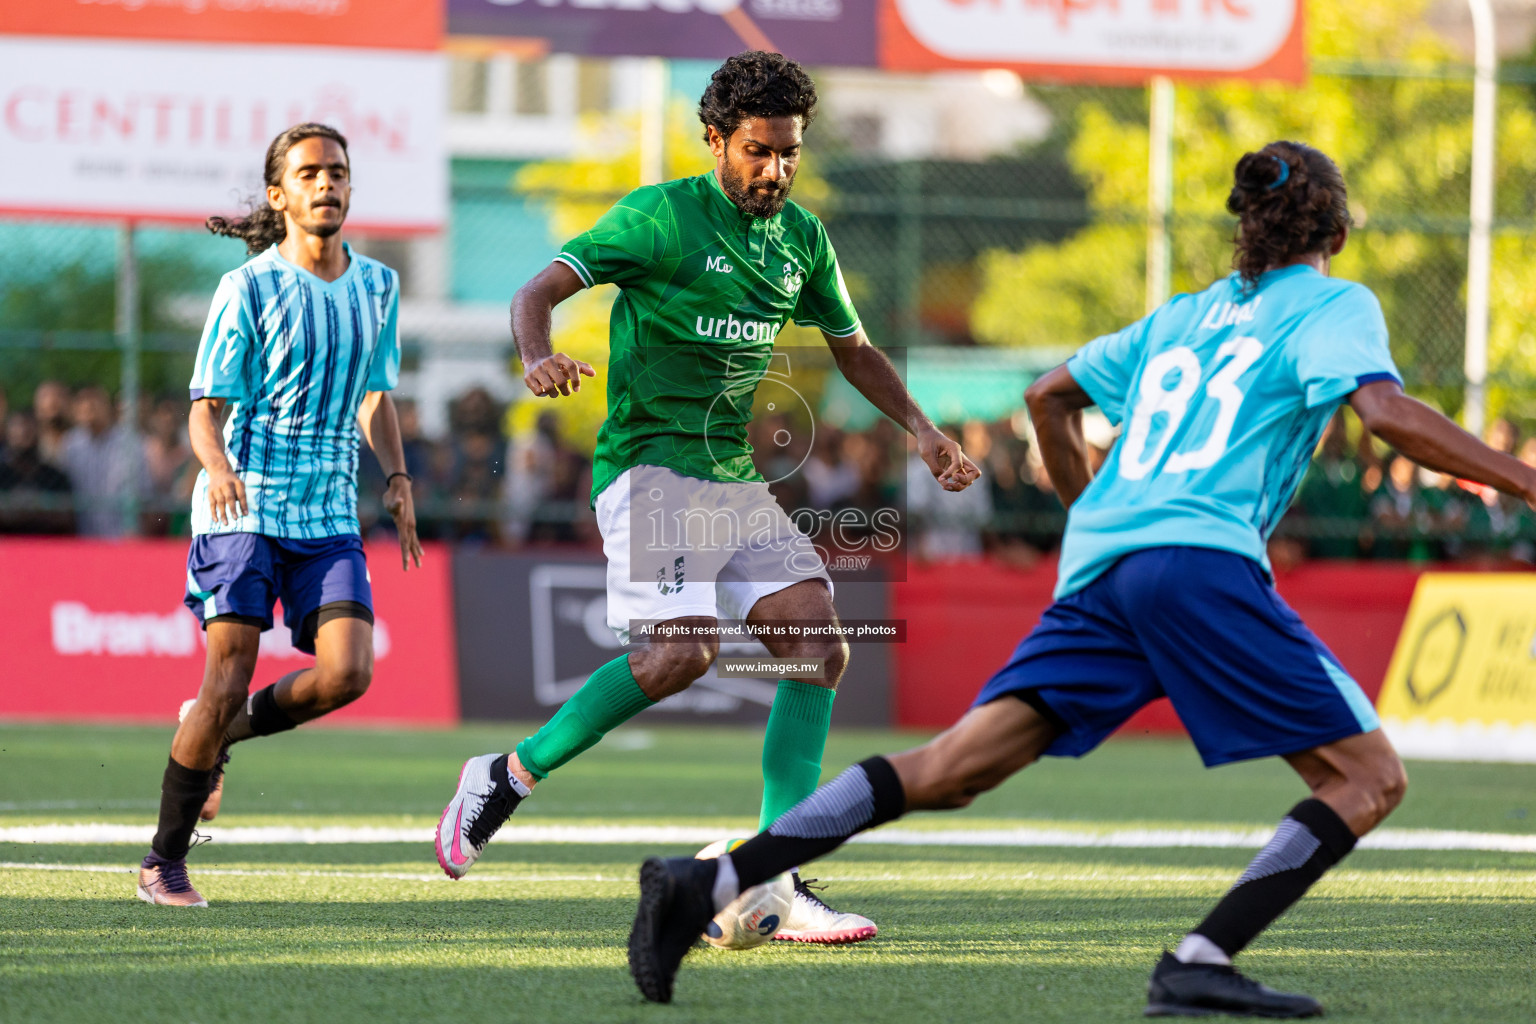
1097	41
382	24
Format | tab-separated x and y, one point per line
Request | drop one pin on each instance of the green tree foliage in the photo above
57	316
1404	144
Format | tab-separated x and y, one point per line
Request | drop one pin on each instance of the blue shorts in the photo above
242	574
1203	627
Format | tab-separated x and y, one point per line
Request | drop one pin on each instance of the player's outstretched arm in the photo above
546	373
868	370
226	492
1434	441
1056	402
381	426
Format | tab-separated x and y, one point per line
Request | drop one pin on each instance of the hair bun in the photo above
1261	172
1290	201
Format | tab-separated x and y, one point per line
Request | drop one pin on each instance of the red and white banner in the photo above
389	24
1097	40
176	131
97	630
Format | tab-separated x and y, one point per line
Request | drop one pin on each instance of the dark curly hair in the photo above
263	227
1290	201
756	84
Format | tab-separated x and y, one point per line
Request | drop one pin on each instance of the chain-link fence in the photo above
1013	259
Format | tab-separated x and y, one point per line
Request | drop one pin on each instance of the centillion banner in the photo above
1462	682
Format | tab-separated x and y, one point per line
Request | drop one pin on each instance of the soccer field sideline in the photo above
1087	837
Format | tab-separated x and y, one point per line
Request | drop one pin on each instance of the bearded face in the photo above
760	197
757	163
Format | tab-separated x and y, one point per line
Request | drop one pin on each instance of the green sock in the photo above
609	698
792	746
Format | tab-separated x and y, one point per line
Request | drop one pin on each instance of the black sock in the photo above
866	795
501	772
259	716
1311	839
182	793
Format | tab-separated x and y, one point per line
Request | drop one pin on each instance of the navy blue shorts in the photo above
1206	629
242	574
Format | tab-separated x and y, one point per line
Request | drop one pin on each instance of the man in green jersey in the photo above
708	269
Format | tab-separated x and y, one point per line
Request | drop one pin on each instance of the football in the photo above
751	918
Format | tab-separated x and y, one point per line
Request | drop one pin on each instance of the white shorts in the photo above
681	546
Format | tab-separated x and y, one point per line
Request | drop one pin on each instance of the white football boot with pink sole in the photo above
811	920
486	798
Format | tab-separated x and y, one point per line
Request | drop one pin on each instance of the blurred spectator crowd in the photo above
71	463
68	465
1363	500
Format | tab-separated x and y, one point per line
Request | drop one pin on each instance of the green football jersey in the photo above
703	290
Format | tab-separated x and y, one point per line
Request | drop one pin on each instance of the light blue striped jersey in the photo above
294	356
1224	396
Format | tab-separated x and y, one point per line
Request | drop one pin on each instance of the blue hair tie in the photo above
1285	173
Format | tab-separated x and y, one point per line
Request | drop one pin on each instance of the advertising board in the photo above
179	131
838	32
1462	684
1104	41
387	24
531	628
98	631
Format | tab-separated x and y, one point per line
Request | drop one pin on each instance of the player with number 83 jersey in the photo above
1165	590
1223	396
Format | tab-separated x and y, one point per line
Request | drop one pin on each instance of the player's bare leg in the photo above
1361	778
195	749
1356	782
341	674
492	785
982	750
678	895
230	665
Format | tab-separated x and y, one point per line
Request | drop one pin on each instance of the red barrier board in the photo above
97	630
964	620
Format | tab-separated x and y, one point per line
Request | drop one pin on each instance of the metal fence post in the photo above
1485	92
909	252
653	120
1159	191
128	336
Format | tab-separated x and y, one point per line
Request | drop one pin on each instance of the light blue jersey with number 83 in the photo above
1222	397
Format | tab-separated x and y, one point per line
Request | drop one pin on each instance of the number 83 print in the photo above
1153	397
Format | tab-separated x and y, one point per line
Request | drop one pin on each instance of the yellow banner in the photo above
1462	683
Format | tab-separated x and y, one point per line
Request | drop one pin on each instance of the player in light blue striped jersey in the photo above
1165	590
301	350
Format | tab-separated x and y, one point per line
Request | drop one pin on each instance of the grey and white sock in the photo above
868	794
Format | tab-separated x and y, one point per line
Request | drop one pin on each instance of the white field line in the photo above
1496	879
1130	838
398	876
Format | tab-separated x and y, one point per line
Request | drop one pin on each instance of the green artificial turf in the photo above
373	932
